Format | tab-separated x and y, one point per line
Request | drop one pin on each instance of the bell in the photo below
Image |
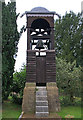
40	45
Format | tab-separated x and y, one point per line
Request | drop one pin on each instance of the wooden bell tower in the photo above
41	67
40	46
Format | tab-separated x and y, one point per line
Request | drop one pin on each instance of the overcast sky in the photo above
59	6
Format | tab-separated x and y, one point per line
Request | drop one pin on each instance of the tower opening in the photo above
40	84
40	24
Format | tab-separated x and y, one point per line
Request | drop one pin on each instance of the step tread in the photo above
41	106
41	99
40	93
41	102
40	87
41	109
41	96
42	112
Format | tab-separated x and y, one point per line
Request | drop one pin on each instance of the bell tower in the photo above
40	46
41	66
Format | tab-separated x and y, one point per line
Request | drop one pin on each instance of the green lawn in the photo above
10	110
70	110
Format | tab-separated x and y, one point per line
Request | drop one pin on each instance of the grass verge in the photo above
74	111
10	110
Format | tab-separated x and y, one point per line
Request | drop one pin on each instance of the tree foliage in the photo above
68	37
10	38
68	78
18	85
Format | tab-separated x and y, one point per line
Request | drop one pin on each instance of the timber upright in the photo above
40	93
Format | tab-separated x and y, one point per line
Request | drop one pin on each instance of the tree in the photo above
10	39
68	37
68	78
19	79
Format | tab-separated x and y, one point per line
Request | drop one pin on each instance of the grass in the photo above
70	110
10	110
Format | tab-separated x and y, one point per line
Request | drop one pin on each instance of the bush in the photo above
19	79
68	78
65	101
5	95
77	101
17	99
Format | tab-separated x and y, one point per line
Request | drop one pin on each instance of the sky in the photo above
59	6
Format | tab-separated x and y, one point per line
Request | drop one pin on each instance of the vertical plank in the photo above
41	69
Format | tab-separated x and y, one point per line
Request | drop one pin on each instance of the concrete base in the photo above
29	98
53	97
28	104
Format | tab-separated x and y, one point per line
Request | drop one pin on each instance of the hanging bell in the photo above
40	45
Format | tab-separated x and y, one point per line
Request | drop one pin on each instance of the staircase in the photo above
41	102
